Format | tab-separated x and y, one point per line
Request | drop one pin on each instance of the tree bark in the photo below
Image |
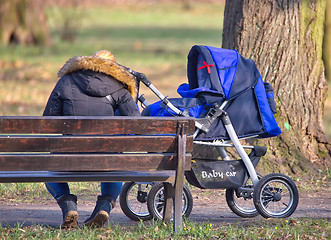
285	38
23	22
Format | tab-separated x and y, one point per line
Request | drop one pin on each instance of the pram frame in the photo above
217	111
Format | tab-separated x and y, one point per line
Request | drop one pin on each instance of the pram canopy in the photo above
216	75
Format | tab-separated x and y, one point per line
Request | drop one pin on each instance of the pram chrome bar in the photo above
234	138
143	100
220	144
224	155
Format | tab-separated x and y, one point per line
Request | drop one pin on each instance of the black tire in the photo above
242	205
276	196
155	201
133	201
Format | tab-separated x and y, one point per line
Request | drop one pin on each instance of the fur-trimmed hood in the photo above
102	65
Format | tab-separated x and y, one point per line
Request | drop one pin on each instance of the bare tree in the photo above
23	22
285	38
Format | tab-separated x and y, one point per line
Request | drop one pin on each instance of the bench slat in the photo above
100	176
61	144
91	125
90	162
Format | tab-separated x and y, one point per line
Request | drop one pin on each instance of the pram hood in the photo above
216	75
221	71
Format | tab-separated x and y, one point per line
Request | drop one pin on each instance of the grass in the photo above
274	229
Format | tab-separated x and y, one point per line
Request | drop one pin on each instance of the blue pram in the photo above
230	101
221	76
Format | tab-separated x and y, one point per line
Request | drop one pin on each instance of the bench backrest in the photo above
93	143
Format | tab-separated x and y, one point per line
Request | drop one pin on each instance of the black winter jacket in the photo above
84	84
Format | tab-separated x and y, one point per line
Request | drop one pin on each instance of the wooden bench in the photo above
76	149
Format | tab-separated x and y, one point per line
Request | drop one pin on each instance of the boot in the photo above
100	214
68	205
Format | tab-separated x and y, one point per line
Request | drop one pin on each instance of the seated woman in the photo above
91	86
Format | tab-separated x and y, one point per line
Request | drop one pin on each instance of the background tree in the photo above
66	17
23	22
285	38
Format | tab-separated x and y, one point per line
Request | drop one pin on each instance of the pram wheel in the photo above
133	200
155	201
240	201
276	196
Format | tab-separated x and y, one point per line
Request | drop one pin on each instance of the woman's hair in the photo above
104	54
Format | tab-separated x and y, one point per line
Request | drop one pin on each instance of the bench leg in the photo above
179	181
169	193
178	203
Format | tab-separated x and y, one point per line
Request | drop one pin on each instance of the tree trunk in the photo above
285	38
327	42
23	22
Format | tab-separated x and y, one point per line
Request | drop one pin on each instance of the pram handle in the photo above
142	77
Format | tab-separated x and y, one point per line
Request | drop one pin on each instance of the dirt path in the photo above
210	206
